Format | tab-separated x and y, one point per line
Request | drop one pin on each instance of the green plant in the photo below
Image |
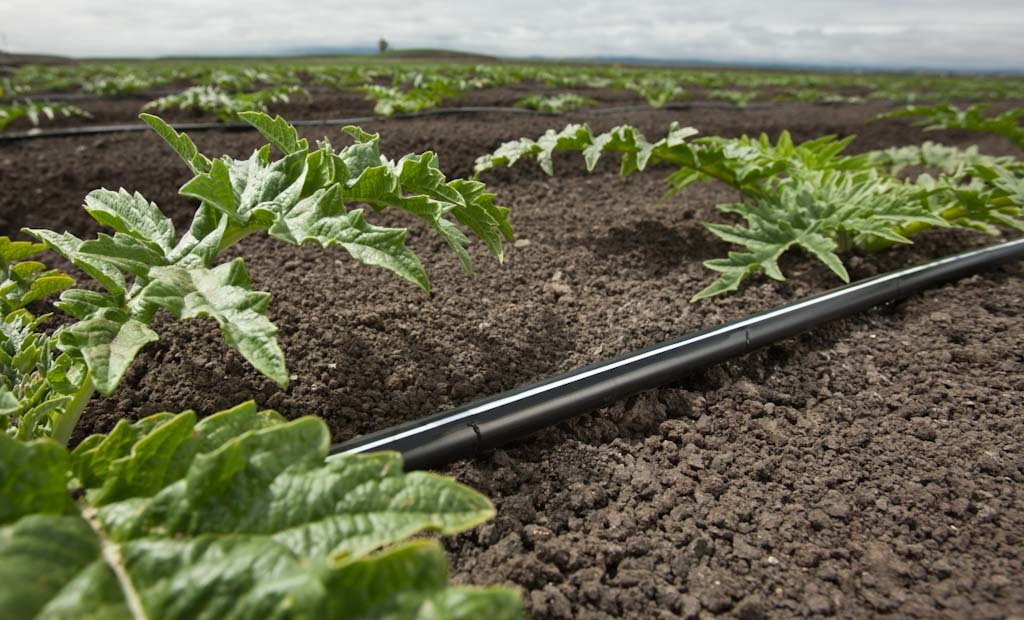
123	84
948	159
23	282
555	104
812	95
946	116
738	98
34	383
808	196
144	266
10	88
38	389
35	111
391	100
657	92
224	105
235	516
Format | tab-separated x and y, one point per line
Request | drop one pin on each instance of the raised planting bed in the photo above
873	466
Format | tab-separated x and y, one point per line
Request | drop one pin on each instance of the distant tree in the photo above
382	45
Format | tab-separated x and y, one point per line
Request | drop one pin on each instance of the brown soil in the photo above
872	467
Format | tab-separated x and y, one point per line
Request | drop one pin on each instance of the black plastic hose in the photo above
85	130
494	421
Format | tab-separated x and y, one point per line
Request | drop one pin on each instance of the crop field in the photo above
280	256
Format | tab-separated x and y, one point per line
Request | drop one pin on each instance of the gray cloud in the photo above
937	34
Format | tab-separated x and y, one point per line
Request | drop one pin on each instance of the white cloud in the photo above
939	34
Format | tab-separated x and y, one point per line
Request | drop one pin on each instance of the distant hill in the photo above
439	54
18	60
396	54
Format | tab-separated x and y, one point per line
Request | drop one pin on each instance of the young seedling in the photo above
555	104
35	111
146	265
947	116
808	196
225	106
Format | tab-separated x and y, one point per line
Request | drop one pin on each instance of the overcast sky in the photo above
941	34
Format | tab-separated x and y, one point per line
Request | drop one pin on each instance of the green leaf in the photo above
45	554
159	458
46	285
11	251
225	294
214	188
25	282
201	244
125	252
252	188
31	480
181	143
298	198
277	131
365	153
80	303
322	219
108	341
68	246
634	148
34	385
131	215
99	457
408	581
253	524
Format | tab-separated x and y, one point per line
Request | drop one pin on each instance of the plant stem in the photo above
66	422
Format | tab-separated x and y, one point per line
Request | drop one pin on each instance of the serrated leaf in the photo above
108	341
80	303
69	246
278	131
11	251
214	188
408	582
636	152
124	252
26	282
256	526
181	143
131	214
225	294
93	460
46	285
322	219
365	153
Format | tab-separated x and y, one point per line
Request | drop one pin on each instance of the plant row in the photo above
240	514
224	89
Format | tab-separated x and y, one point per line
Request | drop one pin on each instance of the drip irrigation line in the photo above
86	96
140	94
206	126
86	130
494	421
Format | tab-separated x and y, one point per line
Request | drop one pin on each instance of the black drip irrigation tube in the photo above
208	126
492	422
48	97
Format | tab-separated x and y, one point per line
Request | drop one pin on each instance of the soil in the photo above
872	467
